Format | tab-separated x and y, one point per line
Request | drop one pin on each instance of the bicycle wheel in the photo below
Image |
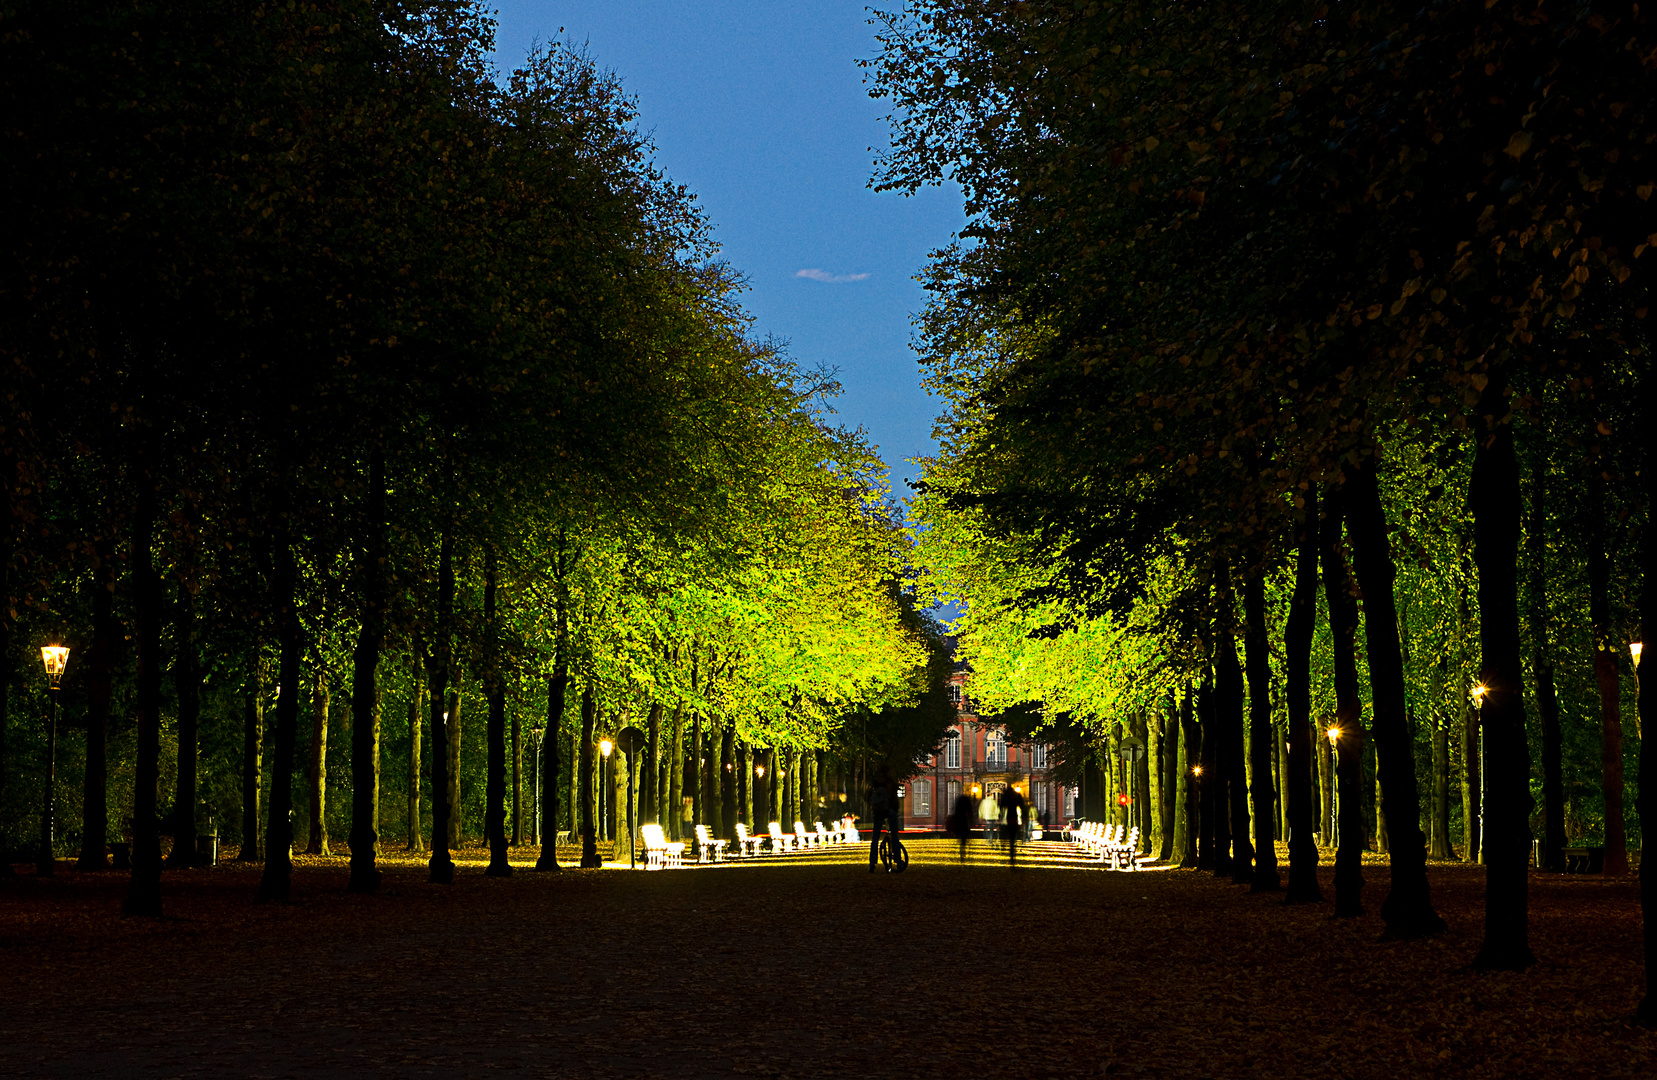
899	860
885	850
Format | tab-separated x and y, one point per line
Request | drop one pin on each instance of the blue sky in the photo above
760	109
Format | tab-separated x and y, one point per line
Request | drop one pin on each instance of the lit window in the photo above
1039	757
920	798
952	750
955	693
995	751
953	787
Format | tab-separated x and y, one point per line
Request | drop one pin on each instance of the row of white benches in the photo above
1115	843
660	853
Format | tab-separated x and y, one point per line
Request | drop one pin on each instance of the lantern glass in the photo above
1634	648
1334	735
55	657
605	746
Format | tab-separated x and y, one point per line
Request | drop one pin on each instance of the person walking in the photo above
883	803
989	810
961	819
1012	814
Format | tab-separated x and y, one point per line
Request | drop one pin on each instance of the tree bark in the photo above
676	774
415	843
1343	629
1216	808
274	884
253	728
1645	801
1156	835
1298	631
494	814
144	892
1262	736
517	780
8	476
1186	812
441	864
318	770
1441	848
589	837
365	696
187	686
1494	496
558	688
649	795
1228	700
727	782
1541	654
456	815
1605	669
100	686
1408	909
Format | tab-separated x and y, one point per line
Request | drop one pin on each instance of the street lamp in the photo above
56	658
535	745
604	748
1634	648
1334	823
1479	691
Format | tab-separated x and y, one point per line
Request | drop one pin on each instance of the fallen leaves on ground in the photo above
805	969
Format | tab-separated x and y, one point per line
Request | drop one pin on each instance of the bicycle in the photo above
893	855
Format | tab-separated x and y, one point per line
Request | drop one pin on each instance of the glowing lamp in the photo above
1634	648
1334	734
759	770
55	657
605	746
1479	691
1196	770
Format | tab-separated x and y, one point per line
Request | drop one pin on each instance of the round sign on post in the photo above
631	740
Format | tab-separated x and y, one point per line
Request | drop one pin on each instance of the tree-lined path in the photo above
790	971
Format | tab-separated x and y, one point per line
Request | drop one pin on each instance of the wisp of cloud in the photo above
824	275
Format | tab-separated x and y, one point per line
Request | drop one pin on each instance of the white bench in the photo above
851	834
710	846
747	844
780	841
659	852
1124	855
824	837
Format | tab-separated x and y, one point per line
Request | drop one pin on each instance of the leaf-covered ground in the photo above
814	968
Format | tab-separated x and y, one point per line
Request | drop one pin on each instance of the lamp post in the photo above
55	657
1634	648
1334	734
535	749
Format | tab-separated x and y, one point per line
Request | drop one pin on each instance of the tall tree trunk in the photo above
278	873
676	774
1541	656
1408	909
744	787
1343	630
364	837
144	892
1156	834
1297	652
253	736
187	685
1216	807
649	789
457	822
557	691
1494	496
494	814
8	476
727	782
100	685
415	842
584	749
1605	669
517	779
1186	811
1441	848
1262	736
318	770
1228	700
558	688
693	777
441	864
1645	801
1471	791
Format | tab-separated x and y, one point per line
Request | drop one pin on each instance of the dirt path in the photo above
801	971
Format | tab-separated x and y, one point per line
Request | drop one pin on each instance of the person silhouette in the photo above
1012	811
965	813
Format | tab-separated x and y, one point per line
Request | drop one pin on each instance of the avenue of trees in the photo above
377	427
1296	365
